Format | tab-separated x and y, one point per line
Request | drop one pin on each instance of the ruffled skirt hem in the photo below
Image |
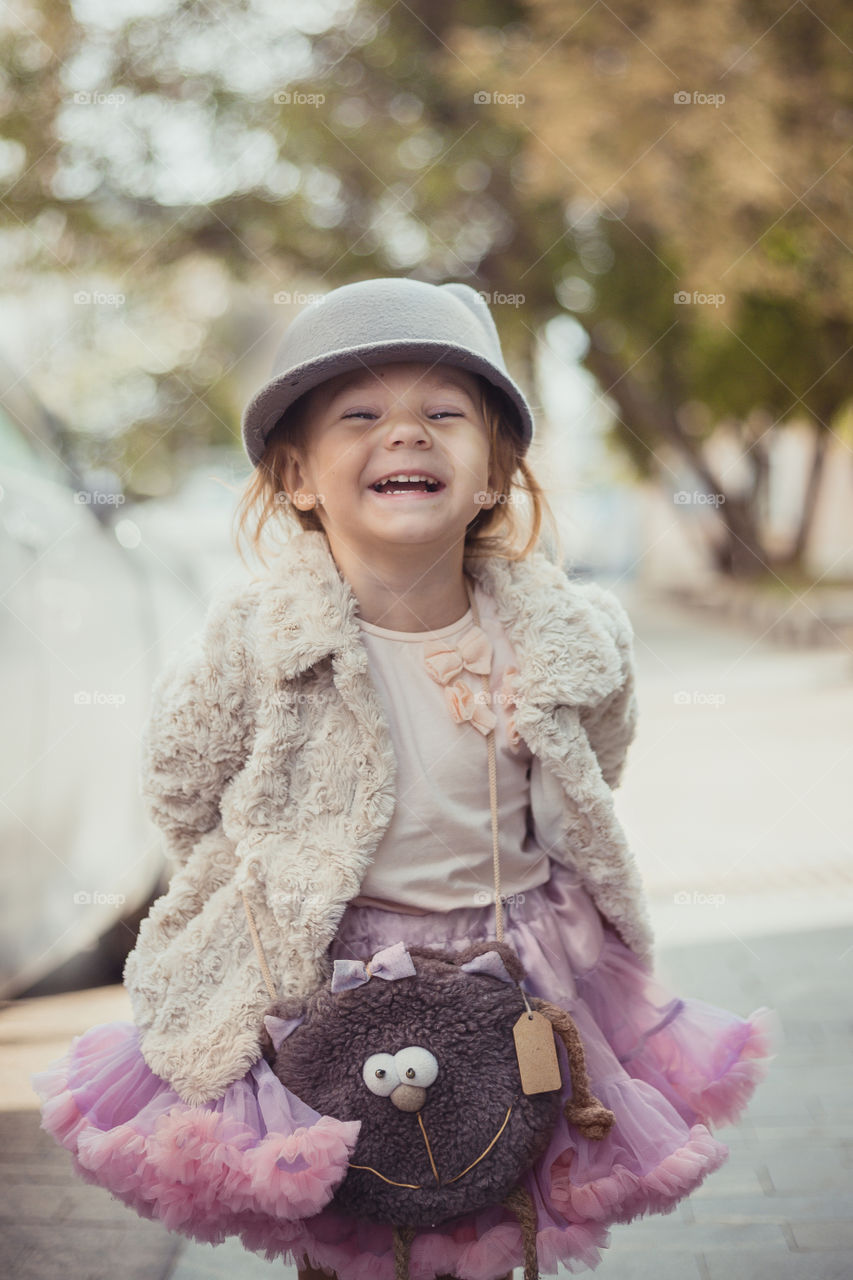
258	1163
185	1174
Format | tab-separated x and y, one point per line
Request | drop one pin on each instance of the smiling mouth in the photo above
418	1186
406	488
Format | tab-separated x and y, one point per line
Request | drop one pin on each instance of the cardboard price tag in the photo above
536	1051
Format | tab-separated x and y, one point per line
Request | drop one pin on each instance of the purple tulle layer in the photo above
260	1164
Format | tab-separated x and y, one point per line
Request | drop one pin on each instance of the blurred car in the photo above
89	615
198	517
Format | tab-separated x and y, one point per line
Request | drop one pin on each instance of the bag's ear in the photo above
511	962
281	1018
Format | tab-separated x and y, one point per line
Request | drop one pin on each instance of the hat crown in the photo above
386	319
399	310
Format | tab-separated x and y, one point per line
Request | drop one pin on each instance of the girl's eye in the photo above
440	413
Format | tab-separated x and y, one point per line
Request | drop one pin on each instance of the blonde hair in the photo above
265	504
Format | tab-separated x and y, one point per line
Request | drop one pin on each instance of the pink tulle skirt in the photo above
260	1164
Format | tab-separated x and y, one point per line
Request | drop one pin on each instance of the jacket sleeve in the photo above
196	737
611	724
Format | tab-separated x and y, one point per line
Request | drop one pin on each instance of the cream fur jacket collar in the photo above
267	763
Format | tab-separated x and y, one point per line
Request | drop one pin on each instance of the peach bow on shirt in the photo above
444	661
507	698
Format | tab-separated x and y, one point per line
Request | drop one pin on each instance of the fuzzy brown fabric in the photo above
465	1020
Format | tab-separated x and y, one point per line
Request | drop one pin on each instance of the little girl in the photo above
317	761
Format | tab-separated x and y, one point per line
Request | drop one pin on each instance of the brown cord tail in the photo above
403	1237
520	1202
583	1109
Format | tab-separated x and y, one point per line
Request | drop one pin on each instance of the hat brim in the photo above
267	405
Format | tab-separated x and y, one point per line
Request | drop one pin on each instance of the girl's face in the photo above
396	419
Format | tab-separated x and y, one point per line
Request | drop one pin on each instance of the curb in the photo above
816	618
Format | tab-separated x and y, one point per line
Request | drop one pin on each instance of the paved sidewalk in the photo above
781	1208
735	797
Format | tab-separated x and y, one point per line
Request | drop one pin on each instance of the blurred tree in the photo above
703	160
206	166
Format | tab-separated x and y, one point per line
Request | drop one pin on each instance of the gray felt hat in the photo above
394	319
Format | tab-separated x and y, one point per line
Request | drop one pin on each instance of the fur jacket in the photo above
267	763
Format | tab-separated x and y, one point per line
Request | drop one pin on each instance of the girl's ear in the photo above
290	473
493	484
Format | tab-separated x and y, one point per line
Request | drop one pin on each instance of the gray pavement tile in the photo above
84	1204
823	1136
23	1137
72	1251
668	1233
819	1208
743	1183
775	1265
226	1261
837	1235
821	1073
797	1168
43	1173
649	1266
803	1032
54	1226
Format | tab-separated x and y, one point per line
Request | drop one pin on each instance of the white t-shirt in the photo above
437	852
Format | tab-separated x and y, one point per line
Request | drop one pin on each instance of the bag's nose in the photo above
408	1097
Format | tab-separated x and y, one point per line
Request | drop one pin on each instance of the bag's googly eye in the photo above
416	1065
379	1073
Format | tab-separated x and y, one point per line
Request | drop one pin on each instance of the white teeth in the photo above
432	484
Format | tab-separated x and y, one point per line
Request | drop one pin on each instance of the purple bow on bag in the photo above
389	963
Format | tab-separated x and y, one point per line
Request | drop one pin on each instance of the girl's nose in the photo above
406	427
